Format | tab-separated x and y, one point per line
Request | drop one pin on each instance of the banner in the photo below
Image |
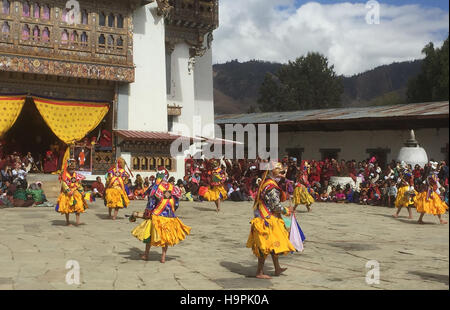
71	121
10	108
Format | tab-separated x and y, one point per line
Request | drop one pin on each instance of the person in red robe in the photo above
50	162
105	139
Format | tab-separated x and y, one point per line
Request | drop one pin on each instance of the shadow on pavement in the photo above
442	278
247	271
106	217
250	281
63	223
154	255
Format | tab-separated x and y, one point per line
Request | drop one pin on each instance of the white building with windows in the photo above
134	70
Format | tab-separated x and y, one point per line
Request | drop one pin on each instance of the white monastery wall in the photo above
353	144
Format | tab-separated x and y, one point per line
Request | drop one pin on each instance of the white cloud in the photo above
259	29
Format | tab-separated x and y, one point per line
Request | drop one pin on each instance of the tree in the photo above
306	83
432	83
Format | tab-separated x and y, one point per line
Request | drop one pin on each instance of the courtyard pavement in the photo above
35	246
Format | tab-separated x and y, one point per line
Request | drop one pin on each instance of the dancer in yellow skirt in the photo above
71	199
405	197
268	234
301	196
115	195
161	227
428	201
216	191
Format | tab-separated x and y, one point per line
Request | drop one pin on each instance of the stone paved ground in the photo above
35	246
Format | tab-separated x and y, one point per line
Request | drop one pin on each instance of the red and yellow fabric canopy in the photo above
71	121
10	108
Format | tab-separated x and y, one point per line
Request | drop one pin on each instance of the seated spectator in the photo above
324	196
348	192
22	198
98	188
333	194
340	196
129	190
50	162
235	194
364	194
37	194
180	185
139	192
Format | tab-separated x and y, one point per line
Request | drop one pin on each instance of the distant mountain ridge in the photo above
236	85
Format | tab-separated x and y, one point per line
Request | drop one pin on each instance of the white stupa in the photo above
412	153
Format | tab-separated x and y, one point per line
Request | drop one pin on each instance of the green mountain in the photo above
236	85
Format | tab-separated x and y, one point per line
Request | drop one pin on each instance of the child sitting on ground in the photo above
139	192
324	196
364	197
332	196
340	196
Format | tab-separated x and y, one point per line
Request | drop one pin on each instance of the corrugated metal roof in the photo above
426	110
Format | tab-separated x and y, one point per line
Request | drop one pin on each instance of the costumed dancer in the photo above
428	201
71	199
268	234
405	196
302	196
115	194
216	191
161	227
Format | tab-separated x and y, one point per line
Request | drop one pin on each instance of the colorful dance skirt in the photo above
116	198
301	196
215	193
404	198
71	204
161	231
434	205
269	236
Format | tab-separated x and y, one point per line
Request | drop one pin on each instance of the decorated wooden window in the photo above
64	15
120	43
25	32
159	162
101	40
84	38
64	37
36	11
84	17
120	21
151	163
111	20
46	12
45	35
144	164
168	164
102	19
110	41
36	33
6	7
136	163
26	12
6	29
74	37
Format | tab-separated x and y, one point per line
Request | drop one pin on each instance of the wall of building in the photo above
142	104
353	144
204	90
